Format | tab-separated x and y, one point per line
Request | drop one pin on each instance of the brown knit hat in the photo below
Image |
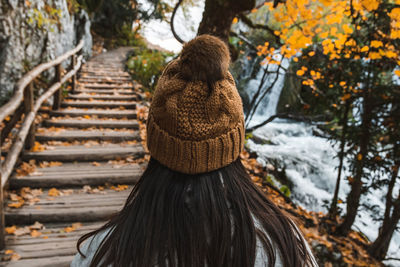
195	122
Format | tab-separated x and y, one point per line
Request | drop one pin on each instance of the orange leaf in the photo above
35	233
11	229
9	251
53	192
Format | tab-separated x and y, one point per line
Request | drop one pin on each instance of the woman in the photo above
195	205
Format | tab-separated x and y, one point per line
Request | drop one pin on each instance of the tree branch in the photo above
172	22
252	25
282	116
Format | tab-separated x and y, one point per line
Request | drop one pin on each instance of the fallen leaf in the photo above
9	251
35	233
15	257
53	192
10	230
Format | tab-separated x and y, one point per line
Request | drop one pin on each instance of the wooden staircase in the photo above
88	159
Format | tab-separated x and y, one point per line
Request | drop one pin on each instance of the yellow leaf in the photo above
300	72
359	156
235	20
9	251
53	192
346	96
35	233
376	43
16	205
10	230
397	72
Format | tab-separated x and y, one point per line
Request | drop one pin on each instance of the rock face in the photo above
36	31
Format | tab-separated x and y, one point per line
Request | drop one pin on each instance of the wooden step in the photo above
104	74
106	91
92	76
101	135
57	249
93	103
130	114
89	123
75	205
104	81
102	97
82	153
79	174
107	86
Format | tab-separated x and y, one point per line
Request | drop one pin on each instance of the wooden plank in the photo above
89	123
103	97
96	112
59	261
76	207
106	91
92	104
107	86
73	135
79	174
82	153
97	73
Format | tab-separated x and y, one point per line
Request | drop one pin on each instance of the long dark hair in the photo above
210	219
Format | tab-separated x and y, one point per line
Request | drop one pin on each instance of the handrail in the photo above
16	148
24	98
17	98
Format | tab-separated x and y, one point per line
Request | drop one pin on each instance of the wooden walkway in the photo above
84	165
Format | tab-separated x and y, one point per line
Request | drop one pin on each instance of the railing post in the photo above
2	221
73	84
58	93
28	104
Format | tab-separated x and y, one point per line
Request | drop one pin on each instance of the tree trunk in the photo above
379	247
353	199
218	16
333	209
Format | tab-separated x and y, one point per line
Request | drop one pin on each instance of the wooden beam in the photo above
73	83
58	94
17	98
28	104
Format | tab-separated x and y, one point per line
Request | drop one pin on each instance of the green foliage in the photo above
146	66
46	19
249	136
285	190
126	37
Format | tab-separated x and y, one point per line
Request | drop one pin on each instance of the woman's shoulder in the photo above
88	249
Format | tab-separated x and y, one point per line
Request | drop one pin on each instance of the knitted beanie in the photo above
196	122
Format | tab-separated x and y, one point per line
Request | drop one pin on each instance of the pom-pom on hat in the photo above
196	122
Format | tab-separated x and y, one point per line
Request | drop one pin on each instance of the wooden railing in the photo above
24	103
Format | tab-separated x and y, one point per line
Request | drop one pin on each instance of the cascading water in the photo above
310	164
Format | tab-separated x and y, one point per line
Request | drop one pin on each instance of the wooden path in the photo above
84	165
